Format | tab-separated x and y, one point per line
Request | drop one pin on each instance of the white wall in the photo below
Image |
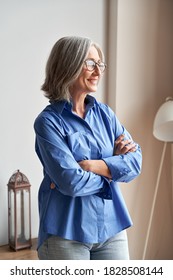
28	31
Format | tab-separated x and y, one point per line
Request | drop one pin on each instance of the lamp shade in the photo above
163	122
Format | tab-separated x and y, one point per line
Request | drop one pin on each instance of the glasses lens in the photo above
90	64
102	66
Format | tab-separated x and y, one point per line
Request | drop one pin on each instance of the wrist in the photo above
89	165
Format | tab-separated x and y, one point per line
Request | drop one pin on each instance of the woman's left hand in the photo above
123	146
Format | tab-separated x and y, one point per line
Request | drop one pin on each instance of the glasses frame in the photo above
96	64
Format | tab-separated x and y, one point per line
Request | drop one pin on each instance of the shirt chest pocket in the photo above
82	145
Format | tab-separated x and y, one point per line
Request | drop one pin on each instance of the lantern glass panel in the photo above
22	202
11	217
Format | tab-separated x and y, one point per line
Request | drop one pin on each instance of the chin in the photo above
93	89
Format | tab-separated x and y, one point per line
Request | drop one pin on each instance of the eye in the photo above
102	65
90	64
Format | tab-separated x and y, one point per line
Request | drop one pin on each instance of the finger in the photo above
127	142
125	149
119	139
132	150
129	148
123	144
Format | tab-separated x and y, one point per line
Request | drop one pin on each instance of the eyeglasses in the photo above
91	65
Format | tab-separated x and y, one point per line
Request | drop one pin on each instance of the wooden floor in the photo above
25	254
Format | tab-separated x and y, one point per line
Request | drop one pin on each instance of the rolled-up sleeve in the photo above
125	168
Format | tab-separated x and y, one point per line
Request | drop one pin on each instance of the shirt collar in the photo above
61	105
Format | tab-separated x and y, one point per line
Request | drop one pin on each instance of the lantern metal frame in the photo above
18	183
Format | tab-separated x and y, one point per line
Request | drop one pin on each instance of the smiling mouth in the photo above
93	81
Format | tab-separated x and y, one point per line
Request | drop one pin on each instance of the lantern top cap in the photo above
18	179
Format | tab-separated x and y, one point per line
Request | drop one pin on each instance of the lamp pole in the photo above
163	131
172	171
154	200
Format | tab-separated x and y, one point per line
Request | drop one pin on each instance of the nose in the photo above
97	70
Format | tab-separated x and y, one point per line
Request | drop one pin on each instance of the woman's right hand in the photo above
122	146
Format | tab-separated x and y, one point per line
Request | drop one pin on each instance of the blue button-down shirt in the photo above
83	206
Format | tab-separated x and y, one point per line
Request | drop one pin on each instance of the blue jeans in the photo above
57	248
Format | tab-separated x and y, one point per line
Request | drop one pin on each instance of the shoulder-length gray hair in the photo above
64	65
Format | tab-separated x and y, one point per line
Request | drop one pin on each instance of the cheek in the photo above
83	79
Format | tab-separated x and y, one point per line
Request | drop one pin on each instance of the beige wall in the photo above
140	81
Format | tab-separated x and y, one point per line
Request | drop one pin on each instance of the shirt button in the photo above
126	170
52	186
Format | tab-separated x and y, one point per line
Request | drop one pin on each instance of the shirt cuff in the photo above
120	170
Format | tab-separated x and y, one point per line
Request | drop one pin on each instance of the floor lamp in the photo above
163	131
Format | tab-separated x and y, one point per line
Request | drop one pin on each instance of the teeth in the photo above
94	82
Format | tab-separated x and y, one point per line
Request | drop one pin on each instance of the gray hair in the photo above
65	64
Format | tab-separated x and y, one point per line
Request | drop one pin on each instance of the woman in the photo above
84	151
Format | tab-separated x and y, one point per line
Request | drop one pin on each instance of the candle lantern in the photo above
19	211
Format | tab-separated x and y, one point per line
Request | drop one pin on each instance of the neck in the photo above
78	106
